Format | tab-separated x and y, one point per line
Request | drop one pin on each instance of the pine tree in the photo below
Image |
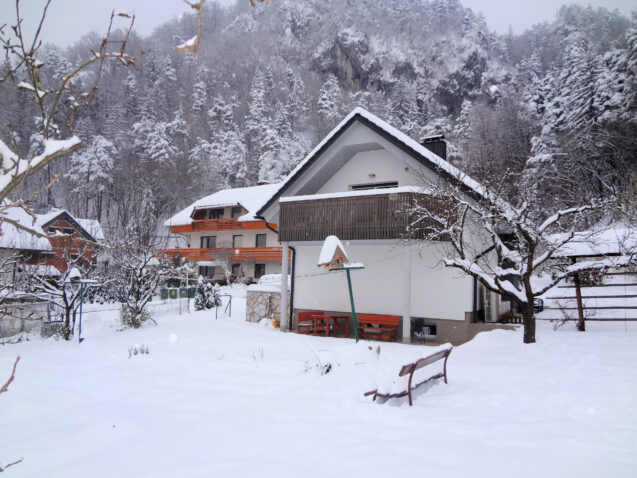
329	103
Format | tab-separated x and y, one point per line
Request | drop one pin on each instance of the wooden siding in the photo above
382	216
219	225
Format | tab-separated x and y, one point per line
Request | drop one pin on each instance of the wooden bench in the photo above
379	327
410	369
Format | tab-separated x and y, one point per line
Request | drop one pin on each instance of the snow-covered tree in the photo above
502	244
90	173
138	271
329	103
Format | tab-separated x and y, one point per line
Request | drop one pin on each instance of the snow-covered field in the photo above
230	398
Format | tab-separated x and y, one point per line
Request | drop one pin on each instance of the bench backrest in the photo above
307	316
423	362
378	319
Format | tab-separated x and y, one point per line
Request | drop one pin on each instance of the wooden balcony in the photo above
230	224
240	254
378	216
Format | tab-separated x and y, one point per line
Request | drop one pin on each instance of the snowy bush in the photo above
206	296
133	318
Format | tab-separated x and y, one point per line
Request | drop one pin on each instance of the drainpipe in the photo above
261	218
474	312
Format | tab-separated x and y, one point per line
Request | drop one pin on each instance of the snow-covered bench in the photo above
410	369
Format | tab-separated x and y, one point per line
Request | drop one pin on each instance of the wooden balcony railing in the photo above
381	216
240	254
230	224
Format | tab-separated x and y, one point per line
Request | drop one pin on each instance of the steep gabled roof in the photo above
44	220
393	135
250	198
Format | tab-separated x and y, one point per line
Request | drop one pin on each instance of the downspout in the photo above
290	314
474	312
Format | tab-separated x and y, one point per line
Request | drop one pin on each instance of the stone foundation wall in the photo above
260	304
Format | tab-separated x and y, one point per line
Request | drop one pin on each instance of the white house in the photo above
357	184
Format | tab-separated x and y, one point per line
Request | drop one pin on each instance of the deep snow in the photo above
230	398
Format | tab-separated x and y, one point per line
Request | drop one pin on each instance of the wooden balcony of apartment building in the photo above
226	224
240	254
386	215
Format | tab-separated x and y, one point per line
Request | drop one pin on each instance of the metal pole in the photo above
79	332
351	299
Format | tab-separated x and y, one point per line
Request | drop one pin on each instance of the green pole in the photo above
351	299
79	333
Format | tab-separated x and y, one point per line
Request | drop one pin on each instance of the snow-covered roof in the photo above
12	237
432	160
330	246
93	227
609	241
90	226
250	198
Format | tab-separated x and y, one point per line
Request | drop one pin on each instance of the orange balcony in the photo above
231	224
240	254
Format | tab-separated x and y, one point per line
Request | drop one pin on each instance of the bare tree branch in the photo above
5	387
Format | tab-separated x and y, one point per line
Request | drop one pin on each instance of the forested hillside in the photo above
271	81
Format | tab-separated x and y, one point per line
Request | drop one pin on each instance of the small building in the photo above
358	185
60	239
224	238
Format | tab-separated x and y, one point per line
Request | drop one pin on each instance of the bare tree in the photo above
64	291
138	270
504	246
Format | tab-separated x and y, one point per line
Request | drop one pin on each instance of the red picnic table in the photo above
316	322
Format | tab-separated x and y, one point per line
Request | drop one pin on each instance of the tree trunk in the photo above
529	323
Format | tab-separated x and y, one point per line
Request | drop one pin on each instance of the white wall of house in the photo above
224	238
437	292
372	167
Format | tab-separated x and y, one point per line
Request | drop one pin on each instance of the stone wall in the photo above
263	303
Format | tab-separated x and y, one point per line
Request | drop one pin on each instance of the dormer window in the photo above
215	213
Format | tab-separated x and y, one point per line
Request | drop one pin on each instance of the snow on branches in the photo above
61	98
504	246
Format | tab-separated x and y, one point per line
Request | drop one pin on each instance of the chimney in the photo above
263	182
436	144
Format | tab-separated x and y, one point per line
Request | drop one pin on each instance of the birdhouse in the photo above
333	255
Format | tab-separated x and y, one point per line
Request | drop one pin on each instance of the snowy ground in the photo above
230	398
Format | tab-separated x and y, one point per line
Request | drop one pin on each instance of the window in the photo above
237	241
47	255
237	211
215	213
259	270
387	184
208	242
53	230
68	230
207	271
236	270
75	257
260	240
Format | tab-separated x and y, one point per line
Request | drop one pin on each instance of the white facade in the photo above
436	292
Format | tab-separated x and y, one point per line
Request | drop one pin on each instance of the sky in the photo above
68	20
